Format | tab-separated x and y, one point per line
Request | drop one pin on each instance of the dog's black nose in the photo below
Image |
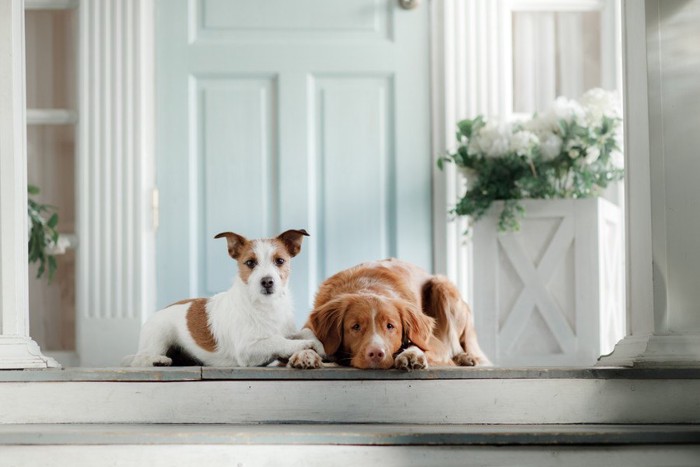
267	282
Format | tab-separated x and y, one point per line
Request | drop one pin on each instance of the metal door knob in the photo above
408	4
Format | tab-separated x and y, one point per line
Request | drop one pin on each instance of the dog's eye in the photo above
251	263
390	326
279	261
356	327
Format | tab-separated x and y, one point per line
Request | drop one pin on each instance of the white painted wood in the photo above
17	349
534	60
276	115
551	293
51	117
115	177
383	434
540	12
553	5
467	78
653	338
482	401
321	456
570	52
65	358
672	45
51	4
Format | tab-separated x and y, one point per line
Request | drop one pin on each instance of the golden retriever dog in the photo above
391	314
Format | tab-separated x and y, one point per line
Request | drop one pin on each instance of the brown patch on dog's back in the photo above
198	324
182	302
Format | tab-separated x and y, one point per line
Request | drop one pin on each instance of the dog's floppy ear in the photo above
417	326
326	322
292	240
235	243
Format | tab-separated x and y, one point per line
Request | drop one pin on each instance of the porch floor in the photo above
346	434
339	373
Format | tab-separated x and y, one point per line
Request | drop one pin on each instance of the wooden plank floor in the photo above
339	373
344	434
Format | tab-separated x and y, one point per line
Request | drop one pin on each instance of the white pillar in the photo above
116	277
662	115
17	349
468	79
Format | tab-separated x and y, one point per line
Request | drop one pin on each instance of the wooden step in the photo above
279	395
348	434
351	445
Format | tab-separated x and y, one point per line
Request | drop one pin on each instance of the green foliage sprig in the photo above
570	151
42	234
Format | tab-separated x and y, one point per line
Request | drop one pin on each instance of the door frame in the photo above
20	351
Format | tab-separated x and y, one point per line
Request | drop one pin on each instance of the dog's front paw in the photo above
305	359
465	359
313	344
411	359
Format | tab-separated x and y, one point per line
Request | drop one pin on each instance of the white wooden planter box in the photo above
552	293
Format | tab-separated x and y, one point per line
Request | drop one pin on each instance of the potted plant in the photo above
547	249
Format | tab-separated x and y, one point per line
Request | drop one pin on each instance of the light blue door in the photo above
281	114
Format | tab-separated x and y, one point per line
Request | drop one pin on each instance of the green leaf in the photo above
465	128
53	221
42	234
52	267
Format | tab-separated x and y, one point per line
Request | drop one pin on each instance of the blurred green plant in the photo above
42	234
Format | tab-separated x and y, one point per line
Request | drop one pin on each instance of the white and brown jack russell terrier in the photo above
251	324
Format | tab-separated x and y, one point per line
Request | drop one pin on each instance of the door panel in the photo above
354	140
298	20
275	115
235	139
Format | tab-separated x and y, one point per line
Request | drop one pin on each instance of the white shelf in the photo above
51	117
51	4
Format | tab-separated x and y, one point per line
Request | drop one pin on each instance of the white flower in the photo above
469	174
617	159
58	247
592	154
574	153
492	140
598	103
551	146
522	141
566	109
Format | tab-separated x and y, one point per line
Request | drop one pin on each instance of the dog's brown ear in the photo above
417	326
235	243
292	240
326	322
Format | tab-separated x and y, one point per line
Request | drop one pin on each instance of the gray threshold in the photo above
382	435
338	373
